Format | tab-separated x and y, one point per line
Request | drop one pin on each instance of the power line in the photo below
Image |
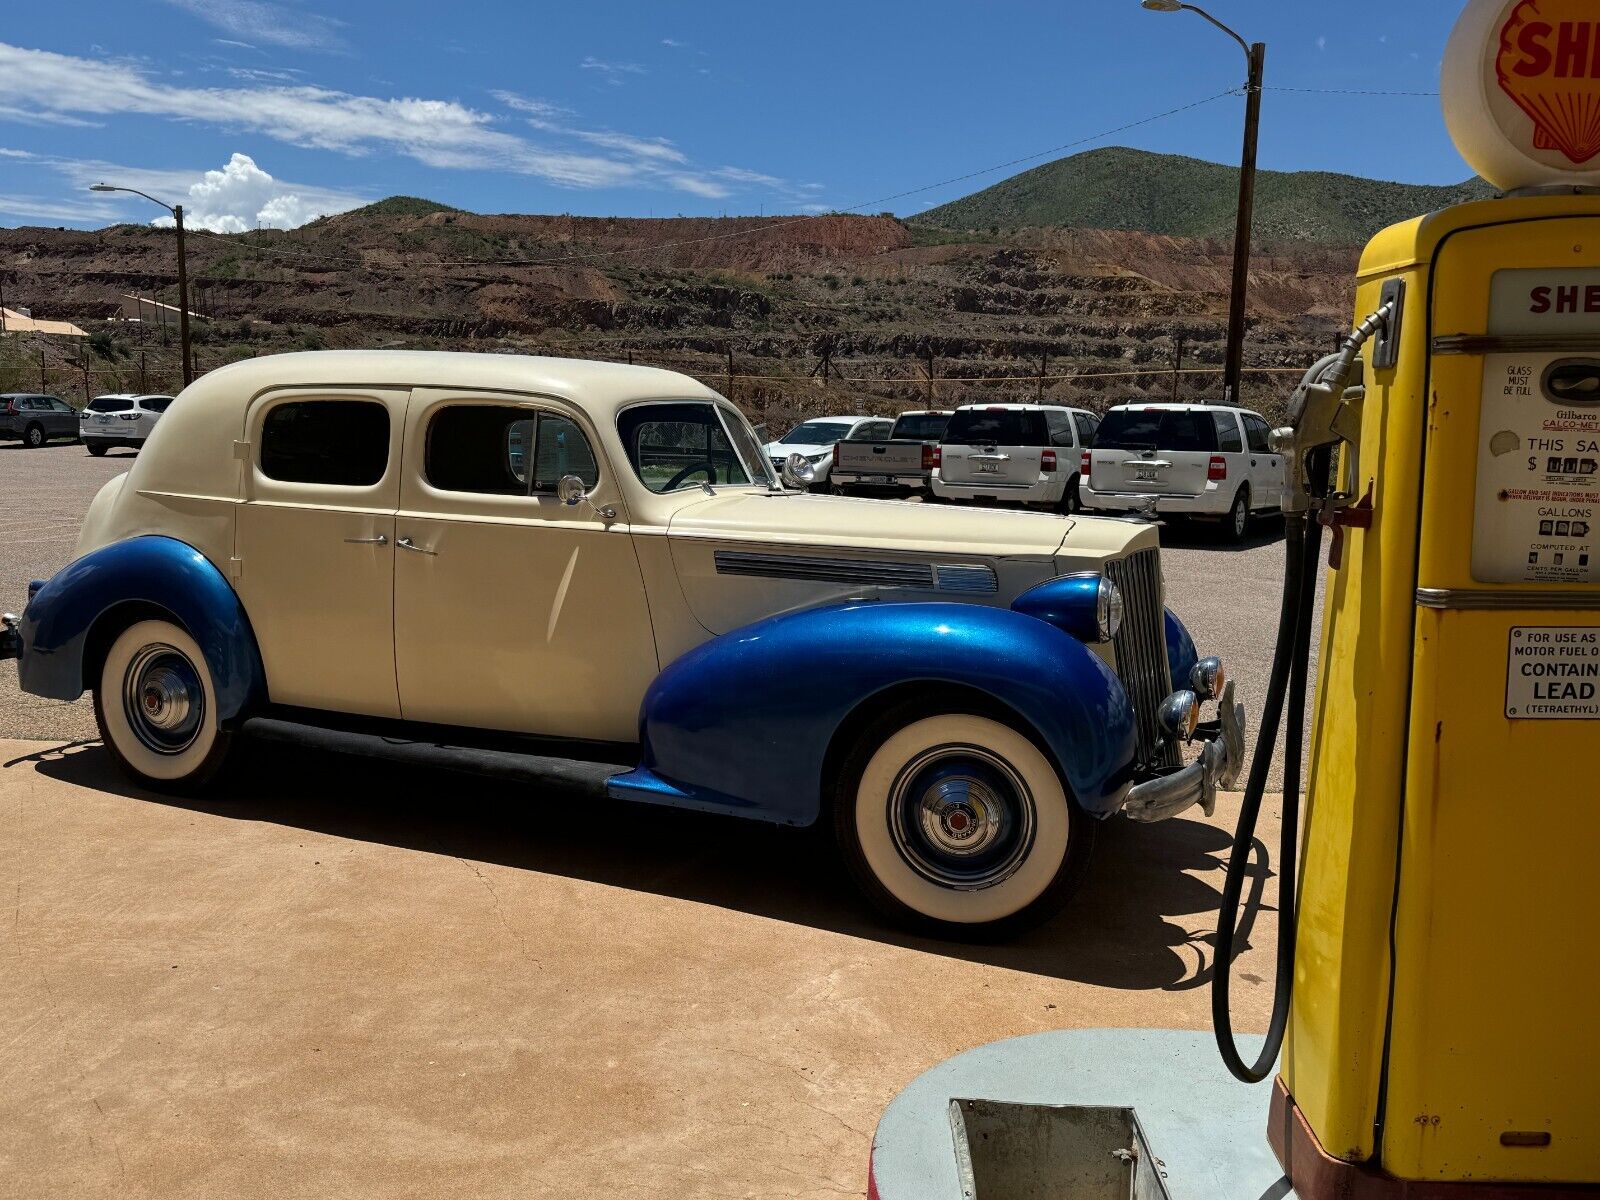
764	227
1347	92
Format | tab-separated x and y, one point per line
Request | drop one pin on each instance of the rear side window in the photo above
110	404
1156	429
157	404
1087	427
1228	439
1257	433
928	428
1060	426
872	431
997	427
341	443
503	451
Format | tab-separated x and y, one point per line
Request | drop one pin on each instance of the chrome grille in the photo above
1141	646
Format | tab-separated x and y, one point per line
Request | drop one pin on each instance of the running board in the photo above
569	775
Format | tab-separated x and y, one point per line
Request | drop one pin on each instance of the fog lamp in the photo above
1208	677
1179	716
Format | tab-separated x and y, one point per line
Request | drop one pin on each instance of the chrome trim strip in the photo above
1517	343
1473	600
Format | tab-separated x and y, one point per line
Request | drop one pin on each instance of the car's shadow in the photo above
1128	927
1196	535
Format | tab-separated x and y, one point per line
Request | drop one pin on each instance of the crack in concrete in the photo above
499	913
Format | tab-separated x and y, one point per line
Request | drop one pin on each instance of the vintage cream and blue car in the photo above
593	566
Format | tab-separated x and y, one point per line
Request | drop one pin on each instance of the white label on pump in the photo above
1537	517
1539	300
1553	673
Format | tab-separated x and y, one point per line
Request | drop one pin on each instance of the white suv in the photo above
123	419
1192	460
1014	454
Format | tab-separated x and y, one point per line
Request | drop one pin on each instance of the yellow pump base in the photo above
1443	1035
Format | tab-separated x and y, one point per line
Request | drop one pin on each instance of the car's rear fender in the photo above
747	723
71	620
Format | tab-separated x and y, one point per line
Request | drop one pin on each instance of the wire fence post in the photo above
143	386
43	387
728	346
1177	368
931	369
1044	365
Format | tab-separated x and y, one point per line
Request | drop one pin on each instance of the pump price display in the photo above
1537	517
1553	673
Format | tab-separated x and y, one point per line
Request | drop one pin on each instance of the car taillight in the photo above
1218	470
1047	461
932	458
836	454
1083	468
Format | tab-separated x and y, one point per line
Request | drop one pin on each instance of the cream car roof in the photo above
190	451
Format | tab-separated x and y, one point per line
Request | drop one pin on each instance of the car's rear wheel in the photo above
1237	523
157	708
33	436
1072	498
97	451
957	823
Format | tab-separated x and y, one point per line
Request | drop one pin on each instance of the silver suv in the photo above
123	419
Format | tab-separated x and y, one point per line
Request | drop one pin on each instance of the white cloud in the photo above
261	21
674	43
1322	43
444	134
242	196
24	116
612	72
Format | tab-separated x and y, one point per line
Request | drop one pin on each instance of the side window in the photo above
155	404
1228	439
341	443
1087	426
61	406
1060	426
491	450
1256	431
874	431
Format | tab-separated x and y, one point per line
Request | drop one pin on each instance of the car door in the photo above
1230	445
150	410
314	544
63	418
513	610
1267	465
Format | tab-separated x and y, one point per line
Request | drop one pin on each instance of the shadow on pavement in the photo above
1128	927
1197	535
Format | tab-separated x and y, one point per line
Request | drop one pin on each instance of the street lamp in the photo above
183	274
1256	54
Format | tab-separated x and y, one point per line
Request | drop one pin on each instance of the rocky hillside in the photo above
1098	313
1185	197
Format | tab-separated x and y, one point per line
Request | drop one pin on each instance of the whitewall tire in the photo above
958	823
157	708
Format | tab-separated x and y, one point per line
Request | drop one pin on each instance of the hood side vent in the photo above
815	569
973	581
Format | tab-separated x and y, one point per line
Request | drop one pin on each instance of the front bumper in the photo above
1217	769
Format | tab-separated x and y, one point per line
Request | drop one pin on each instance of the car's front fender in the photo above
745	723
1181	653
139	574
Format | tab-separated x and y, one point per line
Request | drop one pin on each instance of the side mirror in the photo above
797	472
570	490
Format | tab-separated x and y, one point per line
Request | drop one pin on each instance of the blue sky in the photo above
273	111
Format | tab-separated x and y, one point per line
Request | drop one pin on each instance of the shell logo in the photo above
1549	64
1521	91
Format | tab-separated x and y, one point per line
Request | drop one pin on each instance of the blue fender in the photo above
743	723
159	571
1181	653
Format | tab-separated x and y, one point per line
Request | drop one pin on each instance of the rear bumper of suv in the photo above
1213	502
1048	489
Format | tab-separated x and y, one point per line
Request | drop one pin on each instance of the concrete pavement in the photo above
338	979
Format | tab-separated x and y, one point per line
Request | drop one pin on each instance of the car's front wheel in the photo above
157	708
957	823
33	436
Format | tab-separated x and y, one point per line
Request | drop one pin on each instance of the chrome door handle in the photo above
380	540
408	544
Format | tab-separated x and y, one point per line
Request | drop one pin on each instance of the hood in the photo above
860	524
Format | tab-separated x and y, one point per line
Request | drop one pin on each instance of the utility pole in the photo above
183	275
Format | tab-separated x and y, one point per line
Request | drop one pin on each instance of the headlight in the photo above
814	459
1179	716
1207	677
1108	609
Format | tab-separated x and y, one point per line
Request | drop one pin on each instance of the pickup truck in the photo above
901	466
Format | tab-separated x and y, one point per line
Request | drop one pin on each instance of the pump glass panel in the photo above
1537	517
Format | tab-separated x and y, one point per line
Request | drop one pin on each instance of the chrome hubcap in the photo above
163	699
961	817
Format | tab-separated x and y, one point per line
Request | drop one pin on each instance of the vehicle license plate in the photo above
986	469
1144	475
882	479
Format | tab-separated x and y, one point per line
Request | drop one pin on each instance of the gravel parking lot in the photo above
1227	596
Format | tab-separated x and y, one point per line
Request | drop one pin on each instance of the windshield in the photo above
816	433
675	445
997	427
1156	429
927	427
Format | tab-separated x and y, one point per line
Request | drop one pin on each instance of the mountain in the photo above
1170	195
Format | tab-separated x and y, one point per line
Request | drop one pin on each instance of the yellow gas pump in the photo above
1443	1032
